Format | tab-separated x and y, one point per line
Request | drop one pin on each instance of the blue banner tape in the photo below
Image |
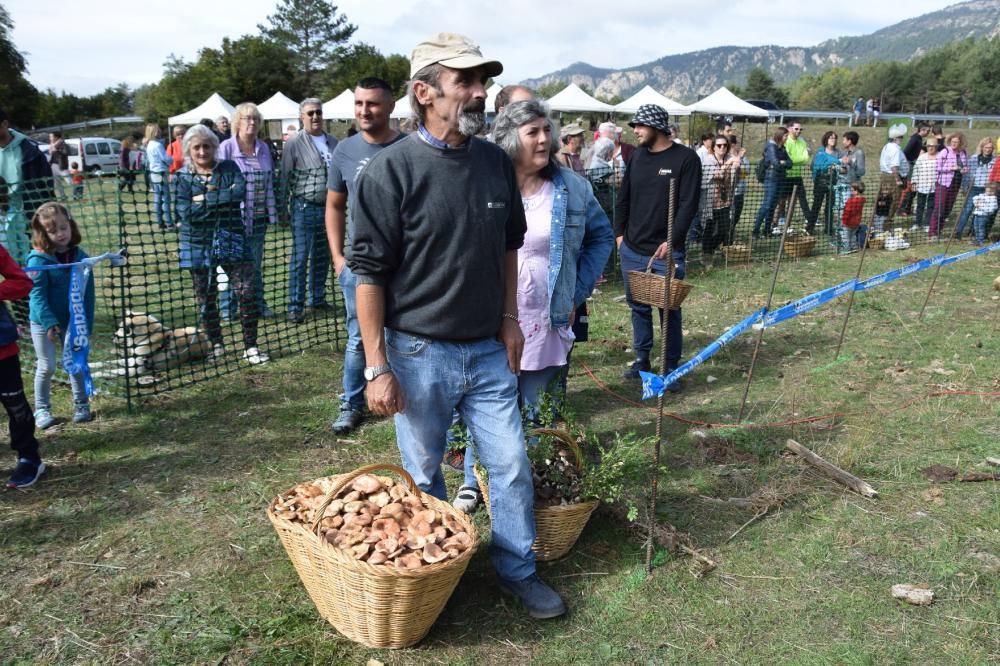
654	385
807	303
877	280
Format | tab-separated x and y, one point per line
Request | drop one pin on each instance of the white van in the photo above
98	153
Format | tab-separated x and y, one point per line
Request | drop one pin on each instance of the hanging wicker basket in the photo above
648	287
557	528
375	605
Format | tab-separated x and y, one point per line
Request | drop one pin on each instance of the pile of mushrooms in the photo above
557	480
378	522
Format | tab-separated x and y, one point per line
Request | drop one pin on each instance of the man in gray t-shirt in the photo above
373	102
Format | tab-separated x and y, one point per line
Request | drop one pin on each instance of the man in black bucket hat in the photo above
641	224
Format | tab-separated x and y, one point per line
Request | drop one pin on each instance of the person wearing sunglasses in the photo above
304	163
718	176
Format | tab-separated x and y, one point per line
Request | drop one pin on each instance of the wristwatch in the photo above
374	371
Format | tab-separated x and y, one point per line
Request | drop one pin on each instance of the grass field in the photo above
147	541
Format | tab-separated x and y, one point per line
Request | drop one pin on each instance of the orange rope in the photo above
776	424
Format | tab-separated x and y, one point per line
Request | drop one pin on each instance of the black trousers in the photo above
22	420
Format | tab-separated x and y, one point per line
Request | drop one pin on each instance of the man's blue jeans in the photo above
642	315
354	352
309	247
440	376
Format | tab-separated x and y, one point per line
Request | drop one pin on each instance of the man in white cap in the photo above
893	170
640	225
572	143
438	221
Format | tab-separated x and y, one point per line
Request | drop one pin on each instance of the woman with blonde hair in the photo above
980	167
952	164
158	164
253	157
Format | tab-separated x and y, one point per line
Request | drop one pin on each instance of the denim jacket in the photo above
49	298
580	243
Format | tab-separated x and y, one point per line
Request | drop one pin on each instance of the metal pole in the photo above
937	270
770	297
850	297
664	335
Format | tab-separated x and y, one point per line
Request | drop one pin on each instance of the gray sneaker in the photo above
541	601
81	414
44	419
347	420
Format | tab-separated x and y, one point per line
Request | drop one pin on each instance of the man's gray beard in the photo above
471	123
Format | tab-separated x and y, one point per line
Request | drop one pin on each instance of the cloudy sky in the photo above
83	47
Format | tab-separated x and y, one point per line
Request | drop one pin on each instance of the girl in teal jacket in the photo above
55	238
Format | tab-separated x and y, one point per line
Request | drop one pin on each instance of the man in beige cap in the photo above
438	221
572	144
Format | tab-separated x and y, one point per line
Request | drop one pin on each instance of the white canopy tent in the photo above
491	97
340	107
279	107
649	96
402	110
572	98
724	103
213	107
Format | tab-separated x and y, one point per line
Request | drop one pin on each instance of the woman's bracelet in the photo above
512	317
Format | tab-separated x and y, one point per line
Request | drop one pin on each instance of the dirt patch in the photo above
721	451
939	473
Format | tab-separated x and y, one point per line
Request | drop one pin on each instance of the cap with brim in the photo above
451	50
571	130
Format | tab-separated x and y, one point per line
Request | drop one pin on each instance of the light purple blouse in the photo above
947	159
544	347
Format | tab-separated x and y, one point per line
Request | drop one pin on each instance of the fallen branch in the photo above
758	515
831	470
980	476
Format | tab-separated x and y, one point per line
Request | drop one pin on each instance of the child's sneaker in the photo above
26	473
44	419
82	414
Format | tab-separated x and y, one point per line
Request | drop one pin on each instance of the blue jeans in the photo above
642	315
979	224
531	384
309	246
440	376
354	352
161	198
963	219
765	213
45	368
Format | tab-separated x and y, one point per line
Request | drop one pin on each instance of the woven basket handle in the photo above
566	439
649	266
345	482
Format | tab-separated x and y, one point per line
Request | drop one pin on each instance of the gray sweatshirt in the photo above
432	227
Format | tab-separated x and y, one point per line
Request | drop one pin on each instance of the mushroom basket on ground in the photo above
561	510
379	558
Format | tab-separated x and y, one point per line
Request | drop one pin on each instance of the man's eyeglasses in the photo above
722	145
314	112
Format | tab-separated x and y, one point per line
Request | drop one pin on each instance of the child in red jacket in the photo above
852	232
15	286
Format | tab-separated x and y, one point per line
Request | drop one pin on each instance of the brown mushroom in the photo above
409	561
413	502
353	506
367	484
360	551
433	553
453	524
378	557
398	492
380	499
387	525
352	496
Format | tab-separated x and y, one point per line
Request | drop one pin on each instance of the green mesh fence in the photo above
234	265
159	319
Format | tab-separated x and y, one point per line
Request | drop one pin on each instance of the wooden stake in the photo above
831	470
850	297
770	297
664	328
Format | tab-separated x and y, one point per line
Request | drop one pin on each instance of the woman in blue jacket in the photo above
210	193
568	241
777	163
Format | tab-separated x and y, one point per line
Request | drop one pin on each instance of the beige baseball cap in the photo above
451	50
571	130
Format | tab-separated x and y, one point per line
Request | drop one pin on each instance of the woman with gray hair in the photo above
209	195
567	243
